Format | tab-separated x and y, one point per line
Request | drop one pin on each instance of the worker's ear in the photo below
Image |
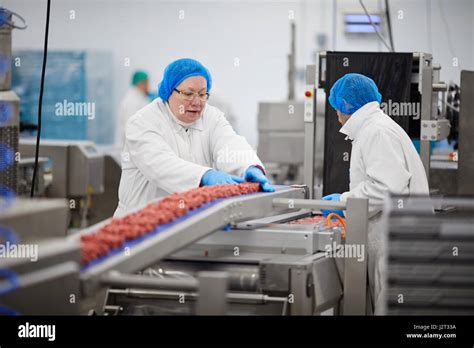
340	114
342	117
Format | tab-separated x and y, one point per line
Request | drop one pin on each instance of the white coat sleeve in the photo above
386	170
157	161
231	153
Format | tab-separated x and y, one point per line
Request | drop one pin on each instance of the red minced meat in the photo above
137	224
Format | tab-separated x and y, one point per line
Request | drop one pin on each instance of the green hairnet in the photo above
139	76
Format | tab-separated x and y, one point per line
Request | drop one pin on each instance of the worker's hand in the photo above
255	174
333	197
216	177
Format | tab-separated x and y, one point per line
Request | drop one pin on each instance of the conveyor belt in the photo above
122	233
143	252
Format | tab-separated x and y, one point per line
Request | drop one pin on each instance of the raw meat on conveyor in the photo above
137	224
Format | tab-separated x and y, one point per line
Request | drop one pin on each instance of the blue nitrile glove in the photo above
333	197
255	174
216	177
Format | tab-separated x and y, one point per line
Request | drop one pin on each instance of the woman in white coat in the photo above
383	160
383	157
179	142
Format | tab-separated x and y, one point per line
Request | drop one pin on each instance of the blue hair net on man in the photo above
177	72
353	91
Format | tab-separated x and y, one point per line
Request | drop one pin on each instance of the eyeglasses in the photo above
190	95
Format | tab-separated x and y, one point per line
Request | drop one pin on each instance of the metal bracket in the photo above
213	288
435	130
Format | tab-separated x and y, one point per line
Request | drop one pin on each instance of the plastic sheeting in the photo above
78	93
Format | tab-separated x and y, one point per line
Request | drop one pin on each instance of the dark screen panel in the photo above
392	74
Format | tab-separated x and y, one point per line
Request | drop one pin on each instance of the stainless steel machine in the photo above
25	176
105	204
430	257
76	170
33	220
78	166
241	255
280	140
9	105
274	267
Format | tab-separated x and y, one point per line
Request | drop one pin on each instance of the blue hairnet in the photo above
177	72
353	91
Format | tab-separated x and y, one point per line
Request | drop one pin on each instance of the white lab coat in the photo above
383	159
133	101
160	157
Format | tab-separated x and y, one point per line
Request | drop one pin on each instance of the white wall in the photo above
151	34
417	26
422	28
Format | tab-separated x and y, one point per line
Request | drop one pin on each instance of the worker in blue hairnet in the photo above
383	158
179	142
135	98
